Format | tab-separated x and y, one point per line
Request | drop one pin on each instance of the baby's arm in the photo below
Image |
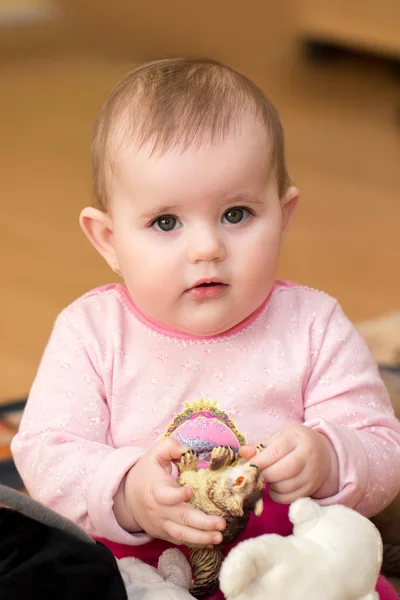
66	456
65	453
346	400
64	450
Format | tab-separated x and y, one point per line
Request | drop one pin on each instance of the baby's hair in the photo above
179	103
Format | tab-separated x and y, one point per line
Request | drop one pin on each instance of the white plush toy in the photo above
334	553
170	582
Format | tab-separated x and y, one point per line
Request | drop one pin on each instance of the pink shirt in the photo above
111	383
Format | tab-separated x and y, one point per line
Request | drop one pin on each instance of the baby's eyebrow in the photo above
168	209
243	199
165	209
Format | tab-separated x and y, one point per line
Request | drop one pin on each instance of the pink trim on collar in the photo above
171	332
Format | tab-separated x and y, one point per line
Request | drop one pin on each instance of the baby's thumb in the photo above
167	450
247	452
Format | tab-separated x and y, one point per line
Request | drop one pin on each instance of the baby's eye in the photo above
236	215
165	223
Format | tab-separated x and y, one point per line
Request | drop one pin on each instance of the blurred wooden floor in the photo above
343	153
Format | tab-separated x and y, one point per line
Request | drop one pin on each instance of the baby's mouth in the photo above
207	289
208	284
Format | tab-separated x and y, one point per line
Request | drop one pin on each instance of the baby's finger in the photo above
276	448
169	494
248	451
190	536
165	451
287	468
193	517
290	485
290	497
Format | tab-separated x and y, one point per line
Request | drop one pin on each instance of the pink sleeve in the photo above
346	400
63	449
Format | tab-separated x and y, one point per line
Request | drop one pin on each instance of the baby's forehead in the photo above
128	139
238	166
250	148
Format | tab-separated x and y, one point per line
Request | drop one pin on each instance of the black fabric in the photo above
38	562
9	475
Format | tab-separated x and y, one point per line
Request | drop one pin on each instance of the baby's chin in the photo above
206	332
207	327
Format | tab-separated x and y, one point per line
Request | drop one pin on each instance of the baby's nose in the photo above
205	246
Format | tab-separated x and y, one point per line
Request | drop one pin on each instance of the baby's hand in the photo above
158	503
295	463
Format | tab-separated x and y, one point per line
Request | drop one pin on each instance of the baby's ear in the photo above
98	228
289	203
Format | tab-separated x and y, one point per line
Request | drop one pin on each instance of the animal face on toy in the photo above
237	490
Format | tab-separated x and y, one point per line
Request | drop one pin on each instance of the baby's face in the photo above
197	234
